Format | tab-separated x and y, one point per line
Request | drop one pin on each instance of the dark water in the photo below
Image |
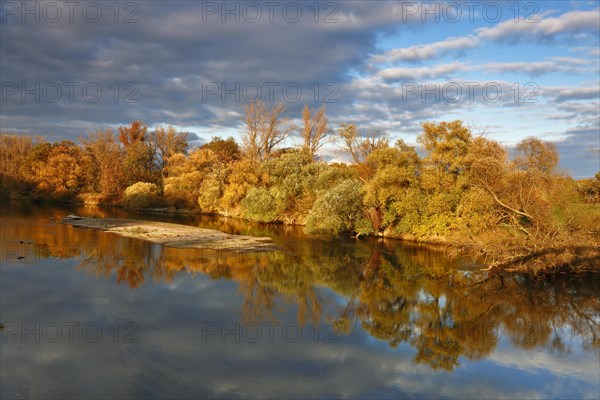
88	314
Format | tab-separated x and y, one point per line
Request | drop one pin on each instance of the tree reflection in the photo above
398	293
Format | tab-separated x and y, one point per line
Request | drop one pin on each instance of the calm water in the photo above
87	314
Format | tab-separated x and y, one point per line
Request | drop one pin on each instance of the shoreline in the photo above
583	258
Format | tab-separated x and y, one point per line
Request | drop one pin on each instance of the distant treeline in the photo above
513	213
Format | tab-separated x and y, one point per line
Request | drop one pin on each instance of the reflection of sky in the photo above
172	360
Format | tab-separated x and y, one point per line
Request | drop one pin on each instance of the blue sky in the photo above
370	60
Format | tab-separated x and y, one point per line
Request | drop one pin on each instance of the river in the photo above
88	314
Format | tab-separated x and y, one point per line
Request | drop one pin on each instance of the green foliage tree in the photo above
338	210
259	205
393	171
447	145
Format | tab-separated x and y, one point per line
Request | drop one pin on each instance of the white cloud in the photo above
561	94
536	68
572	22
428	51
422	72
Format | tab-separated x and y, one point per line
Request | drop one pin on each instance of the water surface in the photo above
88	314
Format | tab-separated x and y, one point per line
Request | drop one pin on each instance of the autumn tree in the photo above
359	145
139	160
447	145
140	195
226	150
56	170
534	153
186	177
134	133
14	150
104	150
138	164
243	176
168	142
315	130
265	129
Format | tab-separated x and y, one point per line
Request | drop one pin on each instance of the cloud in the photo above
428	51
437	71
531	68
169	56
538	68
580	150
545	29
562	94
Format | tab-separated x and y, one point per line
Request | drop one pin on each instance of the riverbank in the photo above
571	255
174	235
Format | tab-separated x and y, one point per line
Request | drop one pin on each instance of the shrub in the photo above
141	195
338	210
259	205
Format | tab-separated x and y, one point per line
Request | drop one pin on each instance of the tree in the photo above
226	150
168	142
274	132
259	205
243	176
338	210
315	130
14	150
138	163
392	172
254	119
264	130
134	133
447	144
359	146
291	178
186	175
56	170
534	153
105	152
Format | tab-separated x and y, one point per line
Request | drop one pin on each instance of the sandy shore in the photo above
174	235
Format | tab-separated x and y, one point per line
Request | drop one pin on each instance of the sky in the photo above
508	69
